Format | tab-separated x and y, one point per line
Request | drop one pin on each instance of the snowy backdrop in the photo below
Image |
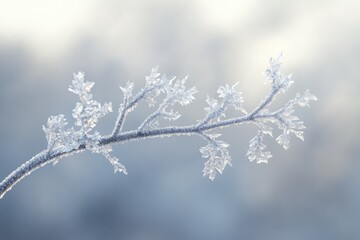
307	192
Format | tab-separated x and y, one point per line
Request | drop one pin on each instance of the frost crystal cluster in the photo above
164	93
86	113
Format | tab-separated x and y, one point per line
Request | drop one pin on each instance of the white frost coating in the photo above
87	112
256	149
217	153
216	110
175	92
63	141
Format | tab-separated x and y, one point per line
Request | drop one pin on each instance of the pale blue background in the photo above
309	192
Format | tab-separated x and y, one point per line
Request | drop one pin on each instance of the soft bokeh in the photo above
308	192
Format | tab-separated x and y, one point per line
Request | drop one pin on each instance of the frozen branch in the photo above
64	142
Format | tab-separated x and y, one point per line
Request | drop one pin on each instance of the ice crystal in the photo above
274	76
154	85
153	79
127	90
231	97
105	151
303	101
216	109
87	112
59	138
55	125
213	105
217	154
288	122
176	92
257	151
264	128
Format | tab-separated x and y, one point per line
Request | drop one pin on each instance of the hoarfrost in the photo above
64	141
257	151
86	113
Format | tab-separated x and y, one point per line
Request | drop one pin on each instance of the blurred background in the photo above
310	191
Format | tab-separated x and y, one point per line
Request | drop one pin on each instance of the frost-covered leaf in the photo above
256	151
80	87
176	92
59	138
286	82
153	78
118	167
218	158
284	139
272	72
303	101
105	151
215	110
298	134
127	90
87	112
155	85
69	140
213	105
288	122
55	124
231	96
264	128
274	76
